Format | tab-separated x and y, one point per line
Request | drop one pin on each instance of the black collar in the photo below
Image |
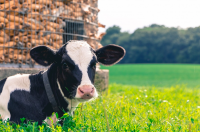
49	92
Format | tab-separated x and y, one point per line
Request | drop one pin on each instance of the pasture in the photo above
158	98
159	75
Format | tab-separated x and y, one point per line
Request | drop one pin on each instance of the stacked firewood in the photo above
25	24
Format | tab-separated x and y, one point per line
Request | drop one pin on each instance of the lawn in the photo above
131	108
159	75
146	98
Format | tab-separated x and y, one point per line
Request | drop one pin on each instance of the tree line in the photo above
157	44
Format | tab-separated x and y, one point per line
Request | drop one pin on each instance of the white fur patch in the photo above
16	82
80	53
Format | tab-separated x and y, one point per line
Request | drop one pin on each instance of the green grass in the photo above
132	108
159	98
159	75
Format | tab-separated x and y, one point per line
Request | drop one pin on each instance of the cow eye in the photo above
65	66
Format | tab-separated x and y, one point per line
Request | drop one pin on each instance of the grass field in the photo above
159	75
155	100
131	108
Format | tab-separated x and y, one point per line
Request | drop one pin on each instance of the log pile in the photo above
25	24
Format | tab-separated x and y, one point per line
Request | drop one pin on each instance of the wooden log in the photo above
52	6
78	10
30	37
60	30
33	26
35	15
13	30
58	3
33	32
7	60
67	1
85	8
46	12
13	10
3	1
78	14
48	37
35	22
44	2
37	7
13	18
41	33
26	52
29	45
4	35
100	36
2	58
18	57
6	5
2	14
58	41
8	51
64	16
3	40
24	17
99	46
91	34
4	20
39	41
56	37
30	1
16	39
12	24
46	41
51	24
49	28
2	50
68	10
56	45
23	39
9	44
26	5
23	34
101	25
2	25
12	56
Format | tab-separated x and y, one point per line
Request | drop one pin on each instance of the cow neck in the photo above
54	95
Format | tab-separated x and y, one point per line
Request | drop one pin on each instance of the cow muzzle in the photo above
86	91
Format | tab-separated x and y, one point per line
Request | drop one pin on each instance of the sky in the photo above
133	14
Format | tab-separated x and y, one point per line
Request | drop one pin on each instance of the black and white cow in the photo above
70	75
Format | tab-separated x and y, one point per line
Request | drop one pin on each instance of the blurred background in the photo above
155	31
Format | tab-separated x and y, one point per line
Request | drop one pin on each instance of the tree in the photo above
157	44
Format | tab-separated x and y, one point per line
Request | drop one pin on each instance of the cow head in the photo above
76	66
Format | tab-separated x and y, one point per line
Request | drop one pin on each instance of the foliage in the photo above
130	108
157	44
159	75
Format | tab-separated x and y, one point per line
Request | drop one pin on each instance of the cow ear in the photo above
110	54
43	55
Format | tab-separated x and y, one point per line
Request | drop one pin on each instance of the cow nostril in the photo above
81	91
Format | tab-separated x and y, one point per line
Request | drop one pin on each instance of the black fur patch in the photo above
2	82
23	104
92	69
30	105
